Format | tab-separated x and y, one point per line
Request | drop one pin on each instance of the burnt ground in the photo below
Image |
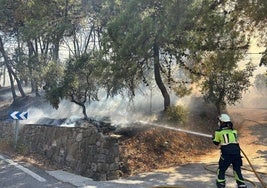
154	149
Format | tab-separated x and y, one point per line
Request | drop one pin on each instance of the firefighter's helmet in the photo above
225	122
224	118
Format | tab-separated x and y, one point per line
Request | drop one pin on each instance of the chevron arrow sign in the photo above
19	115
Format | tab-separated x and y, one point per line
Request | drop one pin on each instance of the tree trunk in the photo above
11	73
14	95
56	50
158	78
22	93
4	77
30	65
81	104
84	112
2	50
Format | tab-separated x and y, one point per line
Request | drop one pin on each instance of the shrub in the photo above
176	114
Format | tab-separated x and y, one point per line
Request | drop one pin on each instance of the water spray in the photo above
179	129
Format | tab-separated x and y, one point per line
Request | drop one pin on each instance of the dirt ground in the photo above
166	157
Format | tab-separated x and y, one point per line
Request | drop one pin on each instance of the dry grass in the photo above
158	148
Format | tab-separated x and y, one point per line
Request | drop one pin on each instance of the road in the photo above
22	175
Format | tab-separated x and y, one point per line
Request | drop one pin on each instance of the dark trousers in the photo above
224	162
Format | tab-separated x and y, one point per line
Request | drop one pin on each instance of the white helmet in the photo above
224	118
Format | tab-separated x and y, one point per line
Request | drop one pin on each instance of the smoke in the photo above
6	95
145	107
122	111
117	110
253	98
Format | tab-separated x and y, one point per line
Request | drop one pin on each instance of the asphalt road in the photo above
22	175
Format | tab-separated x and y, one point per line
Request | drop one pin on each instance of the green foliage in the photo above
138	35
205	38
54	95
192	31
47	19
263	60
8	20
53	75
176	114
254	12
82	79
224	83
182	90
252	18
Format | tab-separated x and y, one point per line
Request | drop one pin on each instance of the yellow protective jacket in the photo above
227	139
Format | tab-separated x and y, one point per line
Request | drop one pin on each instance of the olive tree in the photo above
81	81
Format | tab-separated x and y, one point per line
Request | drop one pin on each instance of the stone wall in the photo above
85	151
7	132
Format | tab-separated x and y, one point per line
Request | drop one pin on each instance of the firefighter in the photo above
226	137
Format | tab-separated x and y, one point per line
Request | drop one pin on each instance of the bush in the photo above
176	114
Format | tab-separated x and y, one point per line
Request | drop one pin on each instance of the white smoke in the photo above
253	98
118	110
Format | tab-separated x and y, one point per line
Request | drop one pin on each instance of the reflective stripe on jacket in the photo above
227	139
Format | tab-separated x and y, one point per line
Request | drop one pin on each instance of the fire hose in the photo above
255	172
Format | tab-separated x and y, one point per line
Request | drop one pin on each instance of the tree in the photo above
8	28
139	38
81	81
19	24
154	35
86	32
219	45
224	83
253	18
44	26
